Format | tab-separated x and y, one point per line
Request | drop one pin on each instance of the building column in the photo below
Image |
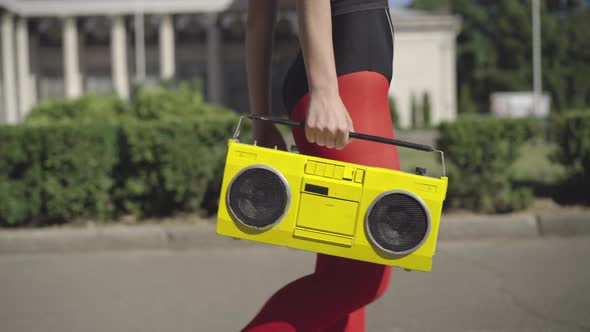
140	69
167	63
452	70
25	88
73	79
8	72
214	61
120	72
34	66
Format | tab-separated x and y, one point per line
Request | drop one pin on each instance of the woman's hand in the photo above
267	135
328	122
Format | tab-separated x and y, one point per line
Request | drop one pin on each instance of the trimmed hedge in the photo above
167	166
57	172
480	153
571	131
97	158
21	180
161	102
86	108
76	161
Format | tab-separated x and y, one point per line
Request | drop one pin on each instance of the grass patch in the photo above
410	159
533	169
534	164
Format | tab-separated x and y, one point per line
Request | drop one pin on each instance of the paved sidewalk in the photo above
517	285
201	233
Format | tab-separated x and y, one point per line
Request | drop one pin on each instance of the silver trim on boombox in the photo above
268	168
251	116
419	200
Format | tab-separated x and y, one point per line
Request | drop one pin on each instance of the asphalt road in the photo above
510	285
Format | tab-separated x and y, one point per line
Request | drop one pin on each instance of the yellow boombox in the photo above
325	206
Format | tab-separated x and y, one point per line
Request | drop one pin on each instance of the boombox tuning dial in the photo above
420	171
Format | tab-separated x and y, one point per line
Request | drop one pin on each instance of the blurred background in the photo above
117	112
482	80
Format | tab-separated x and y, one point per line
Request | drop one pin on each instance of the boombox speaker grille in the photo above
398	222
258	197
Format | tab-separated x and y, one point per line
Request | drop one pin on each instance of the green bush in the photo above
571	131
480	153
202	126
426	110
55	173
77	162
394	112
20	175
151	103
98	158
414	109
86	108
168	165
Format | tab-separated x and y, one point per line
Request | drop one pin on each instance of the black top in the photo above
348	6
362	41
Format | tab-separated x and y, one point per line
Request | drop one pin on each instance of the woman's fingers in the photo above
341	139
333	137
329	138
328	122
320	137
310	134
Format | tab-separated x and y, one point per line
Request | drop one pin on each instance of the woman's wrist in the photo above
324	90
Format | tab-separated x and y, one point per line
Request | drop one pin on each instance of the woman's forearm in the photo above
259	35
327	120
315	35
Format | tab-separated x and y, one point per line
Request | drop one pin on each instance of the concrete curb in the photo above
564	223
474	226
202	234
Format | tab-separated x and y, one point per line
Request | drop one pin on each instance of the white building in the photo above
65	48
425	62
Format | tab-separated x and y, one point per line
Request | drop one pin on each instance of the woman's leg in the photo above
353	322
362	93
334	296
319	300
337	267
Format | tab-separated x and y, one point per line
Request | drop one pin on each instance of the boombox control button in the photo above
420	171
310	167
359	175
320	169
348	171
338	172
329	171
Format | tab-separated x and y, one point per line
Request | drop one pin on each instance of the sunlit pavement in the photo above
500	285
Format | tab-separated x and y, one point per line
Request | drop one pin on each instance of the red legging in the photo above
333	298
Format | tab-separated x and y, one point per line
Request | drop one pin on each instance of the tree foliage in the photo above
495	48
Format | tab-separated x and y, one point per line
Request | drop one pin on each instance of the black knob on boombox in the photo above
397	222
420	170
258	197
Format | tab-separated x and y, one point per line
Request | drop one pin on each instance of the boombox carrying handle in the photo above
372	138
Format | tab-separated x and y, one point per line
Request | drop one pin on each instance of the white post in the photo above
214	62
10	102
34	68
167	65
119	57
24	67
537	69
73	80
140	71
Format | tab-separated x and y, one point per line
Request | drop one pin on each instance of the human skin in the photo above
328	122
